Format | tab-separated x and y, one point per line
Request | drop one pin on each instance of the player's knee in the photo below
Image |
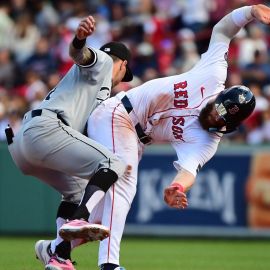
104	178
108	173
118	166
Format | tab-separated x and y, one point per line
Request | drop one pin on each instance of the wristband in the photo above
78	43
179	186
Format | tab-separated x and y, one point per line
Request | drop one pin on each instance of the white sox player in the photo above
190	110
50	144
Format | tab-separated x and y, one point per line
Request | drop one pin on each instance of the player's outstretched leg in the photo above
78	227
81	229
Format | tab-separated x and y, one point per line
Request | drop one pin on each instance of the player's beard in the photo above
204	116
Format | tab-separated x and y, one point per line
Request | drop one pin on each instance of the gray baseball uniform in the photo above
50	144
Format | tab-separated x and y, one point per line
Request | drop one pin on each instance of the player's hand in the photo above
86	27
261	13
175	198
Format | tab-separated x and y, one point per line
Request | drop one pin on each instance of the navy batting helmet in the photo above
234	105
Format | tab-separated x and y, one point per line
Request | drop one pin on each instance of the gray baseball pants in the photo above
53	152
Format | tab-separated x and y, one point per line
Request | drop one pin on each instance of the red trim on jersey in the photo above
183	108
171	116
113	129
194	115
113	146
109	242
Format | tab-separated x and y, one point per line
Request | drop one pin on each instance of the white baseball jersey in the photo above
168	110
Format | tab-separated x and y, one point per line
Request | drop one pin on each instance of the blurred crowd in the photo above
166	37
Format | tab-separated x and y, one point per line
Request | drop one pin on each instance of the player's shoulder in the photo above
102	56
99	59
216	51
213	63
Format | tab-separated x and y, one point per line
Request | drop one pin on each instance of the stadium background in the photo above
231	198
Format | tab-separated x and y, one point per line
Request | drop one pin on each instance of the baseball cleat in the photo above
102	266
43	251
57	263
80	229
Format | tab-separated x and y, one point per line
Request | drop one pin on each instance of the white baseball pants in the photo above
111	126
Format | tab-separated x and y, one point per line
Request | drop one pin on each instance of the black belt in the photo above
9	134
145	139
38	112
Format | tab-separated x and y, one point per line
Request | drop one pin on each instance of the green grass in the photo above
151	254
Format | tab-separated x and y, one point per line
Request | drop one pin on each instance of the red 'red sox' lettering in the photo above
180	95
176	127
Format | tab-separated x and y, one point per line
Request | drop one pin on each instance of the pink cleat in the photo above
80	229
56	263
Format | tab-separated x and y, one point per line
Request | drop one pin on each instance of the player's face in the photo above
119	71
123	69
209	117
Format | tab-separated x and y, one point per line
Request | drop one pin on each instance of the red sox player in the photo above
191	111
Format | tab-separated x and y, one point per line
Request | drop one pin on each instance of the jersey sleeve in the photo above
215	55
93	62
101	64
192	156
213	64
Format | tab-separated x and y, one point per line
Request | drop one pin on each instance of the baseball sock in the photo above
63	250
58	246
94	192
108	266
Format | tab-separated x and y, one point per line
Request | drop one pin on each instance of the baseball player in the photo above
191	111
51	147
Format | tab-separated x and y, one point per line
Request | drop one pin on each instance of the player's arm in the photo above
175	194
191	158
77	49
228	27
